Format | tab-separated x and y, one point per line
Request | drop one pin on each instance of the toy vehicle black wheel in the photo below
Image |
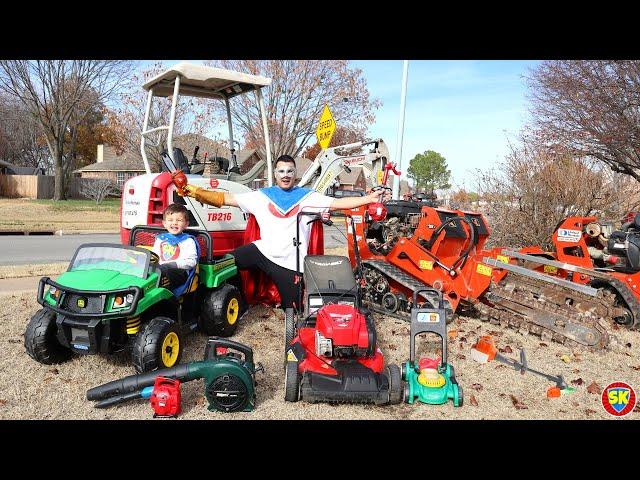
157	345
40	339
221	311
291	382
396	390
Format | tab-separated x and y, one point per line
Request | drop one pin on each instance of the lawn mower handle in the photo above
438	292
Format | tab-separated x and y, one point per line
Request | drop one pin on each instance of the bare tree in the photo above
295	99
193	115
98	189
22	141
537	186
591	107
56	93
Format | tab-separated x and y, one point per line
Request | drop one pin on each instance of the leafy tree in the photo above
429	170
295	99
591	107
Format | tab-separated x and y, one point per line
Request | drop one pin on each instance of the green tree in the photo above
429	170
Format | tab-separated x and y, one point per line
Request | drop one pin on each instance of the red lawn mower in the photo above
330	344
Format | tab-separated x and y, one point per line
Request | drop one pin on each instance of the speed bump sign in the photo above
326	127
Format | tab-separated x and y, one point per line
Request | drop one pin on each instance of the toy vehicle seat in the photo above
145	236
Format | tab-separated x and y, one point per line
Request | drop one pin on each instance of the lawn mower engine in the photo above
342	332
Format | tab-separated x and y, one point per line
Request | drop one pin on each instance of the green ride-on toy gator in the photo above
430	380
110	300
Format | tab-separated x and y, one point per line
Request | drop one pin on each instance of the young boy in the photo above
177	250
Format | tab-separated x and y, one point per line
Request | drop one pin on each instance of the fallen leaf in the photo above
565	358
477	386
452	333
502	395
577	381
575	370
54	370
616	327
637	367
473	400
3	401
506	349
594	388
517	403
542	344
577	355
588	411
460	356
575	404
463	340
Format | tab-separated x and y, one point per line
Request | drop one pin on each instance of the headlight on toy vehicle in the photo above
122	301
54	292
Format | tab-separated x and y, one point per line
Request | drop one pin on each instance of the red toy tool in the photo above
165	399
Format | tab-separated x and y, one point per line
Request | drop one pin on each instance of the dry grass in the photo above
29	390
71	216
39	270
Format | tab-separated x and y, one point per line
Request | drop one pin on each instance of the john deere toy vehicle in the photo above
110	300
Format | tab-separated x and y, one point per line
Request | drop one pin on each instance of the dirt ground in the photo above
29	390
25	214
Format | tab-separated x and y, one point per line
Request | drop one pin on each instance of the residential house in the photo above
110	165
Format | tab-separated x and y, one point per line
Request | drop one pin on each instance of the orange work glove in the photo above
204	196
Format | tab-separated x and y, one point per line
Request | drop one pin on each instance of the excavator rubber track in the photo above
529	306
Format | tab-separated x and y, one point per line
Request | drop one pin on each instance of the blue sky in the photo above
464	110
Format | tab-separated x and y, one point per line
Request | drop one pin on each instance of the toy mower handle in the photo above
210	351
438	292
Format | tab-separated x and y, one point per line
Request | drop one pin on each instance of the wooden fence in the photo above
36	186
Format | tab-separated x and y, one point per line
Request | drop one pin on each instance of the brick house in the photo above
110	165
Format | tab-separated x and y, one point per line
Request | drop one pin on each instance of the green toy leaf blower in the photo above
227	369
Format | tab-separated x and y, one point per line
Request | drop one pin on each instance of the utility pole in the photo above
403	96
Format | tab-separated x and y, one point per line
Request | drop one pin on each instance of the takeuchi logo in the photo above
619	399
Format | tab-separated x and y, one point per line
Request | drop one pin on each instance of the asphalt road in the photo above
30	249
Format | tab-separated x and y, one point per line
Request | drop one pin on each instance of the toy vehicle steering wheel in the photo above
154	258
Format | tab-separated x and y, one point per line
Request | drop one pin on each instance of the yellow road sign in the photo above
326	127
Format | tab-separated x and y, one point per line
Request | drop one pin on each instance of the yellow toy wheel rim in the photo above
232	311
170	349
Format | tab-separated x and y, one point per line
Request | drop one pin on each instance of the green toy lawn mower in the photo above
110	300
430	380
